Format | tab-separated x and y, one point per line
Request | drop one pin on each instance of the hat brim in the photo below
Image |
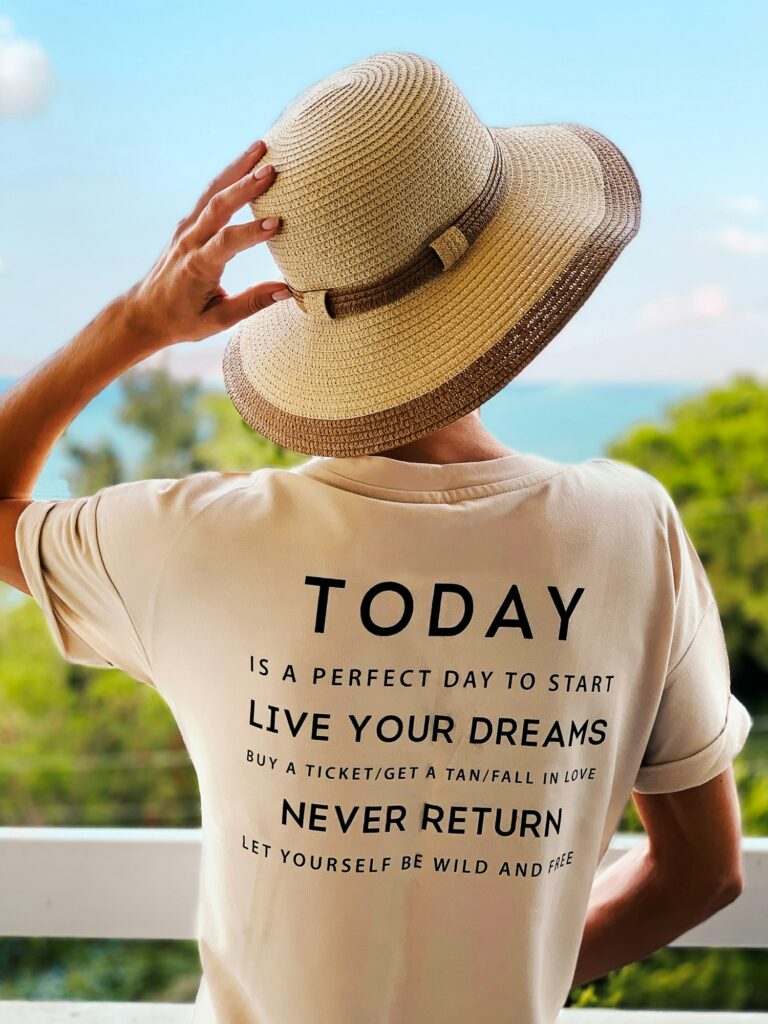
376	380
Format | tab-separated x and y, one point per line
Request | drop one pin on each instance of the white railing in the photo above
142	884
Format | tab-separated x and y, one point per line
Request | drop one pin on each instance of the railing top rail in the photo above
60	882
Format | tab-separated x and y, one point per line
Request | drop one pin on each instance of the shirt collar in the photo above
398	480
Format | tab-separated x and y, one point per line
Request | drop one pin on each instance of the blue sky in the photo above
114	116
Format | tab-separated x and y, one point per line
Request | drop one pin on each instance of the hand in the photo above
181	298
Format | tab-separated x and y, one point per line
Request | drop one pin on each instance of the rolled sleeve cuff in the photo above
28	529
698	768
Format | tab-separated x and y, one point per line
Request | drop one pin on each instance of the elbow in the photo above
723	890
731	888
706	893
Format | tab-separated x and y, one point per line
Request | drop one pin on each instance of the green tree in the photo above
227	442
92	466
164	411
84	746
182	428
711	453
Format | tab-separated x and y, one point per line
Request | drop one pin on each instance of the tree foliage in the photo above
180	428
711	453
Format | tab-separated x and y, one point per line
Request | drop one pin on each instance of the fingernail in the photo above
263	171
269	223
283	293
255	145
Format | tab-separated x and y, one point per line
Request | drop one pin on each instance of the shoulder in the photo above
186	494
166	506
629	485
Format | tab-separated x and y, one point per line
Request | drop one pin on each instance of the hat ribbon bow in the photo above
439	255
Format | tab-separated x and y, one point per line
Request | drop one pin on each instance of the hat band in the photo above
439	255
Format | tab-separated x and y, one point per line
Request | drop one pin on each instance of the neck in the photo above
464	440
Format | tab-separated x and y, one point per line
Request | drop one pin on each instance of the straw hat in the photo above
430	257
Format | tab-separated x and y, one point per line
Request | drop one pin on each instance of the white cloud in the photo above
3	265
25	74
703	303
743	204
744	243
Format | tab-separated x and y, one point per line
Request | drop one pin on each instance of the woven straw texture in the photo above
388	336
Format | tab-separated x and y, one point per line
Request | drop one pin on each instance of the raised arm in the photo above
180	299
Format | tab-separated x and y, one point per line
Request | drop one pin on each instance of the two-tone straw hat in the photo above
430	257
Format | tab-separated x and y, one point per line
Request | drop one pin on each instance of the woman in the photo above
420	674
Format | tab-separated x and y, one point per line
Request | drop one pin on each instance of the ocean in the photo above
567	421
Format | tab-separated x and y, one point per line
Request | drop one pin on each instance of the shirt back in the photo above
417	699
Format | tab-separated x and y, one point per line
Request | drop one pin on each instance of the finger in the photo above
234	308
232	239
231	173
222	205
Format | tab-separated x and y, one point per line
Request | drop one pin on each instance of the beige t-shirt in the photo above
417	698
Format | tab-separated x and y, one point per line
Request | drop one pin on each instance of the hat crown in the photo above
372	163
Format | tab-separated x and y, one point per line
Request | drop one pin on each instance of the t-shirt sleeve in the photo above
93	563
700	726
